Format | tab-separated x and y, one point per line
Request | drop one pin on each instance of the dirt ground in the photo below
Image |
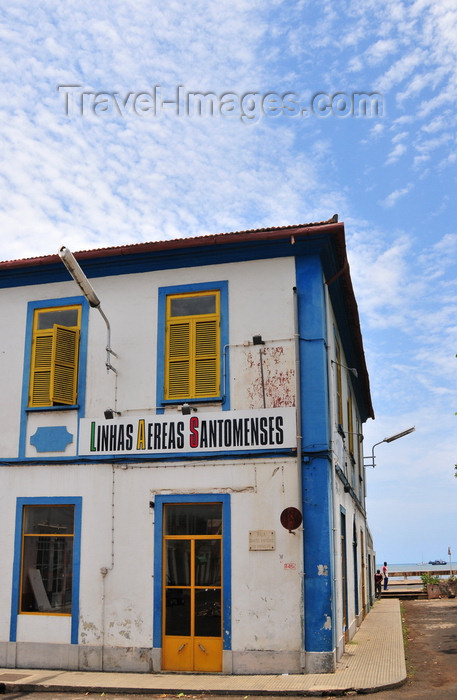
431	658
431	651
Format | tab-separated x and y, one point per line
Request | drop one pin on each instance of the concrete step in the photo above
405	594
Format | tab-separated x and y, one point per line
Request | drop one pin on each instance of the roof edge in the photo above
271	233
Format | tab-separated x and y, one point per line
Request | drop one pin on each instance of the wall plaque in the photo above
262	540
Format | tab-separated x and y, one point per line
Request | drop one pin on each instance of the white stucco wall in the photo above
116	609
260	302
117	539
343	500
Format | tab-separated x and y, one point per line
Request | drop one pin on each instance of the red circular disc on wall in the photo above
291	518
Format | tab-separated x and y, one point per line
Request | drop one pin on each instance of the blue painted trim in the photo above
163	292
160	501
82	370
356	573
52	438
158	565
78	501
174	402
227	571
150	457
40	409
313	355
316	468
83	343
15	589
344	556
318	560
16	571
177	258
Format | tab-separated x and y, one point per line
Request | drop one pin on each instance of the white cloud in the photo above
106	180
396	153
400	70
380	50
392	199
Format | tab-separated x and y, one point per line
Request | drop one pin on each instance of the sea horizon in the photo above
418	566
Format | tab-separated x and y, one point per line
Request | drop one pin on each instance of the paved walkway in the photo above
374	659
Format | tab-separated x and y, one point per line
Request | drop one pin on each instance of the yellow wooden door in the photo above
192	588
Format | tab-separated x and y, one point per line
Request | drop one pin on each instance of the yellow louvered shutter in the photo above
206	360
41	370
54	369
192	356
64	365
178	380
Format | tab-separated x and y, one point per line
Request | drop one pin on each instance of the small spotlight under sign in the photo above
110	413
186	409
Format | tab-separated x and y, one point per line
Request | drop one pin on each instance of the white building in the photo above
193	500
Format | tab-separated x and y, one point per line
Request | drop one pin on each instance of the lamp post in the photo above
397	436
352	370
83	283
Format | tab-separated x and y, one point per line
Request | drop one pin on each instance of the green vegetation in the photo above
410	670
429	578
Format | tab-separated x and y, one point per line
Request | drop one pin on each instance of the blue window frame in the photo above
81	385
163	294
160	502
21	505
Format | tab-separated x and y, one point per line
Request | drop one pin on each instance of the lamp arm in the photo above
372	449
109	352
83	283
372	455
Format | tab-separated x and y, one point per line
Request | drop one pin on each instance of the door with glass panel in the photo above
192	587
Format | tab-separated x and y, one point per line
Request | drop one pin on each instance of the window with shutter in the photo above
192	352
54	357
350	424
339	386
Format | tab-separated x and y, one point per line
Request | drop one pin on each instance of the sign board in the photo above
261	540
224	431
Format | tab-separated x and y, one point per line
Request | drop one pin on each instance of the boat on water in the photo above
438	562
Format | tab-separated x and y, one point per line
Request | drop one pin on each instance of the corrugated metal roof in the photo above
338	274
172	242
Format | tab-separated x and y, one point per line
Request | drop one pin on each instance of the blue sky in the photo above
118	166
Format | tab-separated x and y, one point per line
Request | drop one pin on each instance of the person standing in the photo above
385	576
378	583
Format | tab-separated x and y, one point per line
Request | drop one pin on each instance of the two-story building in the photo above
181	473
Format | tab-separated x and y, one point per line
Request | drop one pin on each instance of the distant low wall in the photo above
417	574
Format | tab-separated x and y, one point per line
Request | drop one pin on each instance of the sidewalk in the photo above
374	659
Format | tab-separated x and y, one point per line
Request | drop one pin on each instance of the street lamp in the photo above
83	283
352	370
387	439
